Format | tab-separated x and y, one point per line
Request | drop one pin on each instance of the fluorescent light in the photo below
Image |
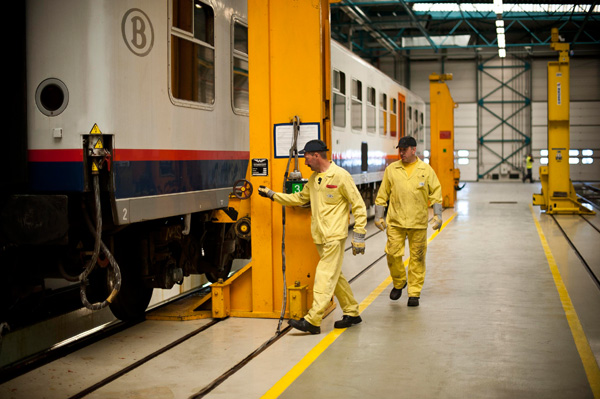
463	153
499	23
426	153
498	7
544	153
501	41
500	31
544	161
573	153
502	52
587	153
573	161
587	161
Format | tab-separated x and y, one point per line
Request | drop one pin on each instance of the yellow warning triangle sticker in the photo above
98	144
94	167
95	129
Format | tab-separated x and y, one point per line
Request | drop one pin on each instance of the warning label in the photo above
95	129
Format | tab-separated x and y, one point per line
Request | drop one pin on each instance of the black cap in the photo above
314	146
406	141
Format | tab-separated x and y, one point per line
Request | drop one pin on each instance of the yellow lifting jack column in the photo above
442	137
289	72
558	195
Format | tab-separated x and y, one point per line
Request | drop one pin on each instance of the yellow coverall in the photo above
330	202
407	216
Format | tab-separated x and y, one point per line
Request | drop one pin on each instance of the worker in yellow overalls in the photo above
529	165
408	185
331	193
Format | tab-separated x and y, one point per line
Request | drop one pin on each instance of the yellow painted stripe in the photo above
590	365
315	352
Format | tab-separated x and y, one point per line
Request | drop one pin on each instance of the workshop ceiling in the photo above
379	28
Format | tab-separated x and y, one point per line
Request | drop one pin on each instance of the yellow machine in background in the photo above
289	102
442	137
558	194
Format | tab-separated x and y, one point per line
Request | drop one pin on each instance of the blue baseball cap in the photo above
314	146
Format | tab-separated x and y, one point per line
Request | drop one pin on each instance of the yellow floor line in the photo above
583	347
315	352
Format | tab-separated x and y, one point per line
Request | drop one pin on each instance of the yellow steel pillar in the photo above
289	72
558	194
442	137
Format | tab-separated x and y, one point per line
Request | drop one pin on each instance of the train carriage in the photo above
137	129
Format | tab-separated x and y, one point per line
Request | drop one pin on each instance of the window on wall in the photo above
371	110
383	126
393	118
239	69
356	104
193	52
339	98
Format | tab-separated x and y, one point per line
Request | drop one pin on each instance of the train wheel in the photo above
213	277
134	296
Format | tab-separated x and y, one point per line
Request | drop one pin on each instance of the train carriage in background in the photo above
370	112
137	117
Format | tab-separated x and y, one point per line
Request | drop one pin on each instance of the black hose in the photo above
98	244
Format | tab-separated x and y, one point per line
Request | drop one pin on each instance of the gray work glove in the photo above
436	221
358	244
266	192
379	217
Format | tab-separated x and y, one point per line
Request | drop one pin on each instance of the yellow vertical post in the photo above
558	194
442	136
288	48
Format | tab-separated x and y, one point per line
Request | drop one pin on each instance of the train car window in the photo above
356	104
193	52
383	126
393	117
339	98
371	110
239	69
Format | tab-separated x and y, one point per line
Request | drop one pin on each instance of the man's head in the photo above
315	155
407	147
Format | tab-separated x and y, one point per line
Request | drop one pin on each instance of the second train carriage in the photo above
370	112
166	83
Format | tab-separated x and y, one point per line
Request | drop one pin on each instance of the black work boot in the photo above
347	321
396	293
413	301
305	326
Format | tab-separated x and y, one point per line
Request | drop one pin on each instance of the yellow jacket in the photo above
409	196
330	204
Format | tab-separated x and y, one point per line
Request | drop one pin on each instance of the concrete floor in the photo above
491	325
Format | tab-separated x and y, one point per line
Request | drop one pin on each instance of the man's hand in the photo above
266	192
379	217
358	244
436	222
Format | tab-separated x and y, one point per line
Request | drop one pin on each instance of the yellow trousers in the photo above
394	248
329	280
